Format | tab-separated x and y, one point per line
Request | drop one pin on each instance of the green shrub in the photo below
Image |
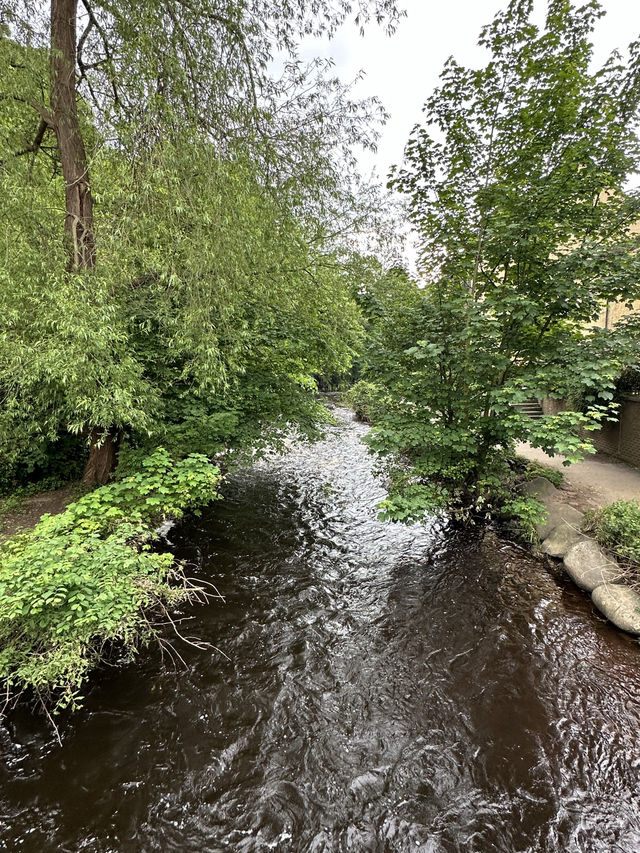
521	514
89	577
538	469
408	506
45	467
162	488
365	399
617	527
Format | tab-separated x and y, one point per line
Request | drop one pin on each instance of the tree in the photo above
516	188
200	198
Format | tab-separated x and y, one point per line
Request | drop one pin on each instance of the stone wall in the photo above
553	407
622	439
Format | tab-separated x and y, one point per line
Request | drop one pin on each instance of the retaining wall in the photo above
620	439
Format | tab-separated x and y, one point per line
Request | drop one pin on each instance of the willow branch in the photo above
108	50
34	147
44	114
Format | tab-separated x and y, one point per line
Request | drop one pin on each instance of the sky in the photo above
403	69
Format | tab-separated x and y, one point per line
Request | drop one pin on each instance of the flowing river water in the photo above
387	689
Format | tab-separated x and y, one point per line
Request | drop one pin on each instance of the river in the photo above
378	688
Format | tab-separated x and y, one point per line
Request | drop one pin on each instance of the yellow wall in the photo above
614	311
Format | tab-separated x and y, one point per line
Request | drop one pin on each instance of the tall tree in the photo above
78	225
516	186
64	117
166	107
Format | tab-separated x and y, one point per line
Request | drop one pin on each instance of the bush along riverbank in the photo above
591	562
528	505
415	492
88	579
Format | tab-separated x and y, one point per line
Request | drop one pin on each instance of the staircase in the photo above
530	407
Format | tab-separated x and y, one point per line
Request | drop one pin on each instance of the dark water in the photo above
387	689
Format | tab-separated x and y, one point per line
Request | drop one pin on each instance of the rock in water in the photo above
540	488
589	567
620	604
370	785
561	540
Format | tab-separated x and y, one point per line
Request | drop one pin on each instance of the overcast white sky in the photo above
403	69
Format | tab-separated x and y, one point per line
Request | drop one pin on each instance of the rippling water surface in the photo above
386	689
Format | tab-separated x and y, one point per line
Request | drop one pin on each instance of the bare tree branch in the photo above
94	23
42	111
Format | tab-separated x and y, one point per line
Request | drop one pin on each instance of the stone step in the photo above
531	408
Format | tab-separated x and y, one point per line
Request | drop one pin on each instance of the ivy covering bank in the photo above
89	577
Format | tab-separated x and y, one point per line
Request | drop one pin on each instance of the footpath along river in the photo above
386	689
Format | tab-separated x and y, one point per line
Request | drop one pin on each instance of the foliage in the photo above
222	193
231	319
521	514
45	467
223	199
535	469
617	527
516	189
408	499
364	399
90	577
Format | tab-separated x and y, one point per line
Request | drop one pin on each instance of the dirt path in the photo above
29	513
597	481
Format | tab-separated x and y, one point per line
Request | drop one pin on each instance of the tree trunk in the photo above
103	457
78	223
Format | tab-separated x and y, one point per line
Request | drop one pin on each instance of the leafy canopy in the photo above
223	198
516	187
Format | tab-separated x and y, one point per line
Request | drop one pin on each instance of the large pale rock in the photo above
557	513
589	567
539	488
620	604
561	539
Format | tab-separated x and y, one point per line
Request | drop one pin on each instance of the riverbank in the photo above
88	579
613	587
18	514
387	687
593	483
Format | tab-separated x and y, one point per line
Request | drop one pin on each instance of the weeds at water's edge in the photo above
616	528
90	580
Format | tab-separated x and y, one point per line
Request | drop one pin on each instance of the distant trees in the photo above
516	186
201	279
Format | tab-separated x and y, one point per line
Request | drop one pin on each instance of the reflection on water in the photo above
387	689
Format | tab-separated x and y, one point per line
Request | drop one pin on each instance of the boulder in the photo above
561	539
539	488
620	604
557	513
589	567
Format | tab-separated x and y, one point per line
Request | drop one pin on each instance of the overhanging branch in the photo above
44	114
